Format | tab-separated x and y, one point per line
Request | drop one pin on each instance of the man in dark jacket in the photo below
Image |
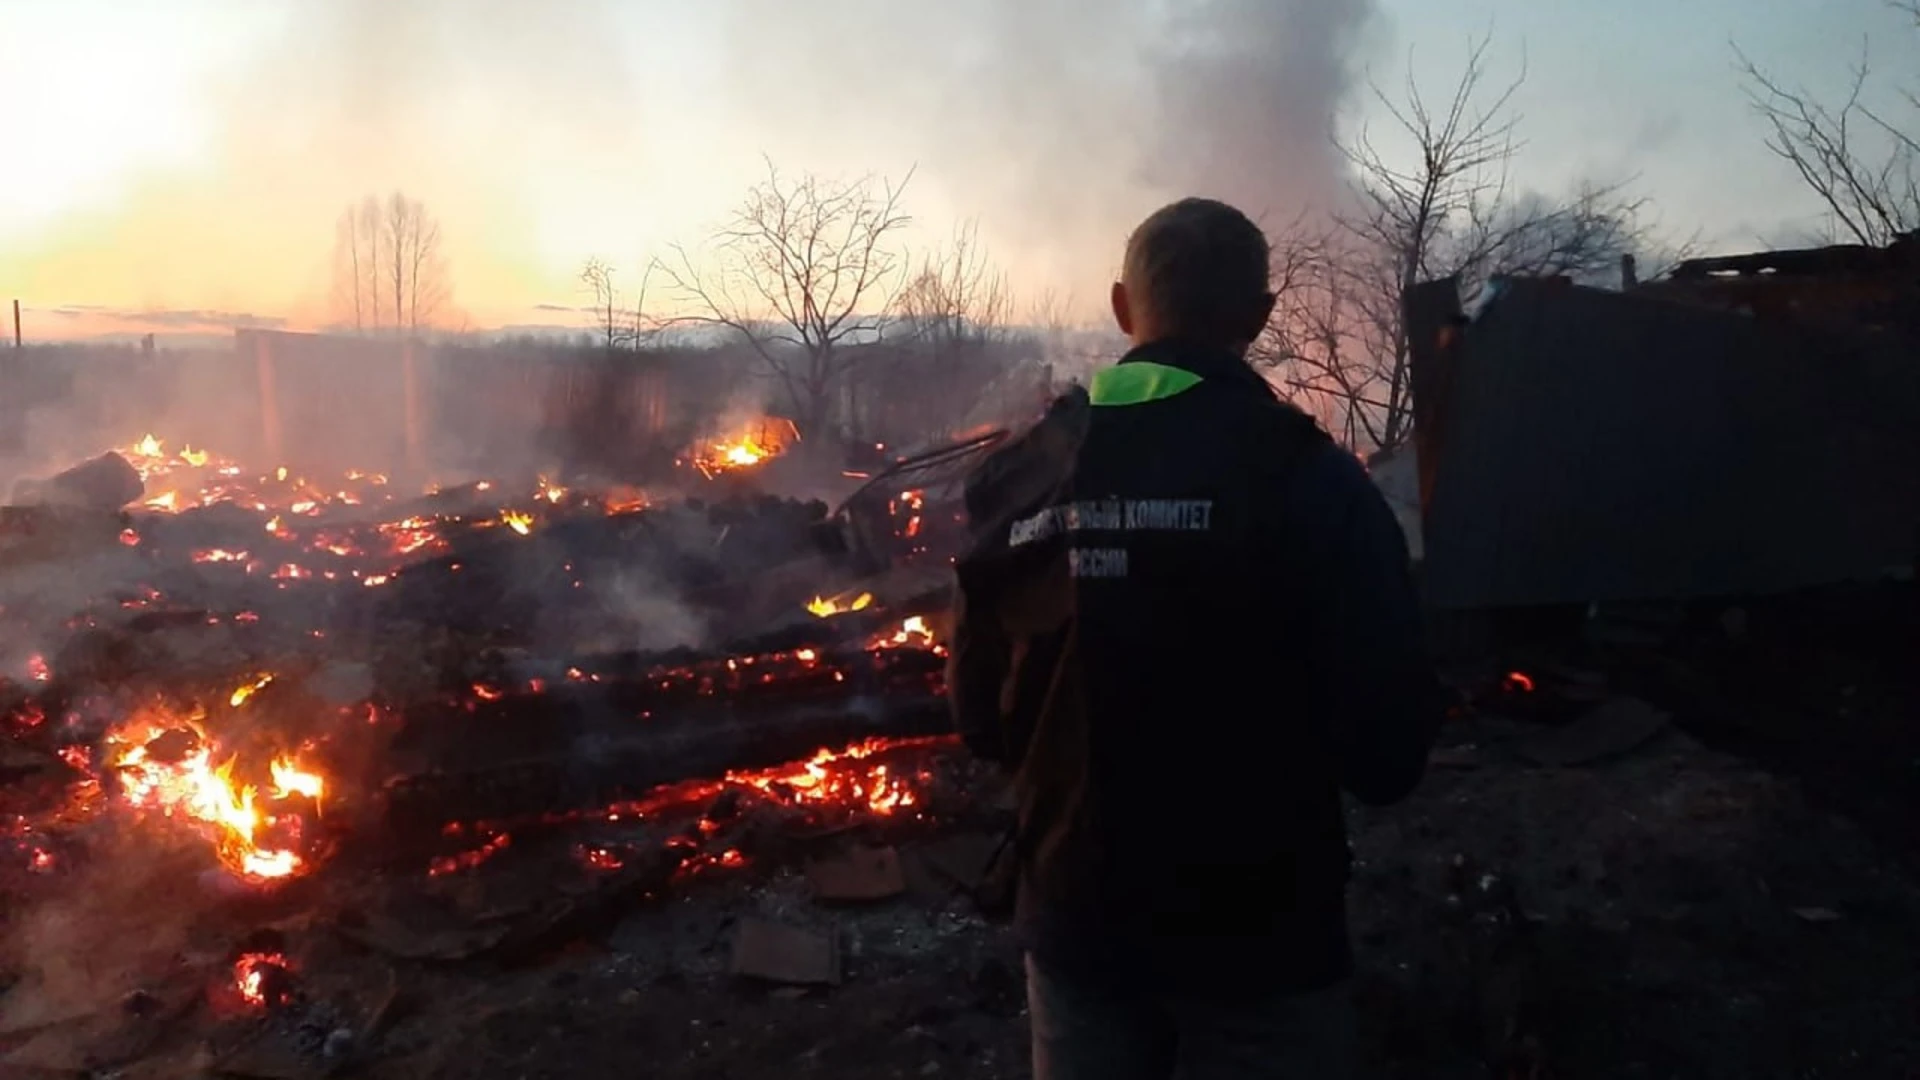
1187	623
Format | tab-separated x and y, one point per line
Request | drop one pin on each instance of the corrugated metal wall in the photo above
1599	446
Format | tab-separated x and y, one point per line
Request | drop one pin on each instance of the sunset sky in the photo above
174	165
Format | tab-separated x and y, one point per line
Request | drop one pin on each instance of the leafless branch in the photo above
610	319
804	268
1445	207
1861	162
956	301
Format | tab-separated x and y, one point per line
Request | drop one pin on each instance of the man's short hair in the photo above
1199	266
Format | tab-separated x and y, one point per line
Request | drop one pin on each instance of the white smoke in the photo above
540	133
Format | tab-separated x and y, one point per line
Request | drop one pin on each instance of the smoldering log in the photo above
586	745
107	482
499	717
842	636
594	773
575	571
502	583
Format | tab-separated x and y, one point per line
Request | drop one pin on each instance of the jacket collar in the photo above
1210	362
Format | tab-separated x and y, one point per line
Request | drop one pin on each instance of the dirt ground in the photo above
1671	911
1683	915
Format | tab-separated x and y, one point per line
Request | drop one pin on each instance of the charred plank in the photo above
597	764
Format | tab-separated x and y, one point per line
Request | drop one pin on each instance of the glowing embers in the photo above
912	633
707	826
263	980
849	780
187	477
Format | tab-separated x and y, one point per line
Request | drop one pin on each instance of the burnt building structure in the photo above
1693	439
1847	285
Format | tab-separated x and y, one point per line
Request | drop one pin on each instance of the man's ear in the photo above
1122	309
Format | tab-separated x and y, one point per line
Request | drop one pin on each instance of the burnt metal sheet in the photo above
1581	445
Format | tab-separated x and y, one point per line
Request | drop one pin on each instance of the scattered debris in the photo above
1613	728
37	535
964	859
384	933
858	874
107	482
785	954
100	1040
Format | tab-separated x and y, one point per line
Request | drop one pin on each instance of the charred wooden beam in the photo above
598	764
503	720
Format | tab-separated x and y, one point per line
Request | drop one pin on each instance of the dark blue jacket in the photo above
1187	621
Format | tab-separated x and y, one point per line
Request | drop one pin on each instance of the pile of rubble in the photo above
310	779
480	722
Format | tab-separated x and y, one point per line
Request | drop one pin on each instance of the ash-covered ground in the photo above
1680	914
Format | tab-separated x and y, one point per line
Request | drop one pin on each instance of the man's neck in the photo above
1178	344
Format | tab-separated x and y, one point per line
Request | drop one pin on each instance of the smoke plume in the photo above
541	133
1060	123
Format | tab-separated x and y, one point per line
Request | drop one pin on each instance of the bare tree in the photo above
357	246
803	270
1451	211
957	303
618	324
390	274
1861	161
1335	320
955	343
1072	344
415	271
1048	312
608	317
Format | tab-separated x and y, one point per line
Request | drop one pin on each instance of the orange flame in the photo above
194	788
824	607
753	444
913	633
246	690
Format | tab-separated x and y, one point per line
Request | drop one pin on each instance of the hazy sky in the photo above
188	159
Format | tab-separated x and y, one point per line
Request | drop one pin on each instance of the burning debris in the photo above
287	760
166	765
185	751
744	448
393	699
263	979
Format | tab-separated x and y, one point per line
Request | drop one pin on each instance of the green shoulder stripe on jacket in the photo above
1138	383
